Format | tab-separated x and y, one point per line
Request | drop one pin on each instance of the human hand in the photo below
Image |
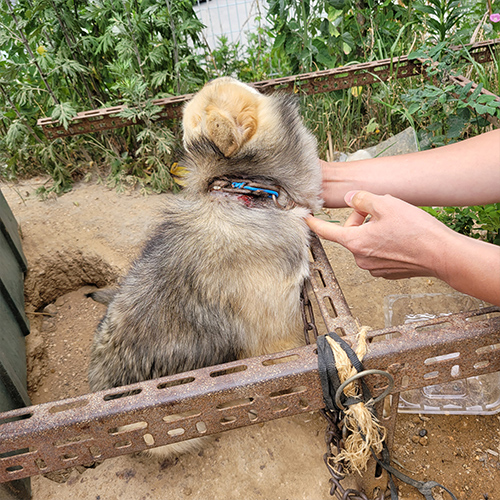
398	241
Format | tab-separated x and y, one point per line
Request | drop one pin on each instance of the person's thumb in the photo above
361	201
327	230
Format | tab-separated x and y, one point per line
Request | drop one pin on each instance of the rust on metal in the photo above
78	431
99	120
463	81
54	436
329	80
331	301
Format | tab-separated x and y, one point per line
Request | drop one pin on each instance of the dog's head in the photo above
231	130
224	111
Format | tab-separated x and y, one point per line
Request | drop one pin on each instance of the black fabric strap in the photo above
327	373
424	488
329	377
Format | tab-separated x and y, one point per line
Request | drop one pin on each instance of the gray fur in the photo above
103	295
217	280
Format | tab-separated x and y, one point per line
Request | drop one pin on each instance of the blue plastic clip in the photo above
241	185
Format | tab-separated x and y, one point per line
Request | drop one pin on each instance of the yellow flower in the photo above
356	91
178	173
41	50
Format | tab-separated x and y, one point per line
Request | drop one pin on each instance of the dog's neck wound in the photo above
252	194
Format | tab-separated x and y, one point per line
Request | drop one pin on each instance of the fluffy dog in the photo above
220	277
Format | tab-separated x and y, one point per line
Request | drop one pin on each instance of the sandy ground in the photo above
87	238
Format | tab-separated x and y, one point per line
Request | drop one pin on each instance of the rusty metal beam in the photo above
99	120
309	83
463	81
78	431
211	400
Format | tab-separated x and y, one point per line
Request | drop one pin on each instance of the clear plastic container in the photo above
473	396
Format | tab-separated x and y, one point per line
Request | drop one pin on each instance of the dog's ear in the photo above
231	128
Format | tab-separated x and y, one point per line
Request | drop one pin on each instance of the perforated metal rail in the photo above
345	77
78	431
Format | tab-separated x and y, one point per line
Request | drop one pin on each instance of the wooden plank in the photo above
14	325
13	265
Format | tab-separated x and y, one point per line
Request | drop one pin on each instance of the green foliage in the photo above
443	16
256	61
16	135
153	142
445	112
225	59
63	56
480	222
63	113
312	35
322	34
60	57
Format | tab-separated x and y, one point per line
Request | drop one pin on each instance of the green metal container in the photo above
13	327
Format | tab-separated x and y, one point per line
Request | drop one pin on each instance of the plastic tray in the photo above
473	396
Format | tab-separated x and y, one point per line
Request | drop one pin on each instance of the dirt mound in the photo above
63	272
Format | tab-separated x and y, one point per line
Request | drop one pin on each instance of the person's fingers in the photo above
355	219
357	200
327	230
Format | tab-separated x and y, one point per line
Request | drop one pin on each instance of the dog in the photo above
221	275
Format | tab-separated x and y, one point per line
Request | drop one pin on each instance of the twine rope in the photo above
365	431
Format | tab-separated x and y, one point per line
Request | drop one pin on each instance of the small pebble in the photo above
422	432
424	441
51	310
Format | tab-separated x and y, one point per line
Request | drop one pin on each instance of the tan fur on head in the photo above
230	116
262	136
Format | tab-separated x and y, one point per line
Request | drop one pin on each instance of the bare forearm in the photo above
465	173
471	266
